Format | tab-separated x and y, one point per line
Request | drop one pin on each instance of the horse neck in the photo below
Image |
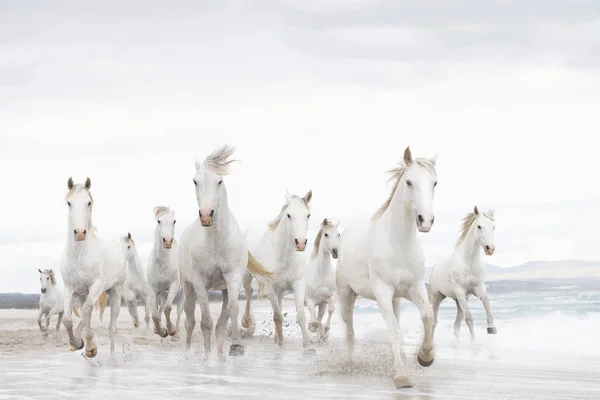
398	220
133	262
469	249
282	240
323	260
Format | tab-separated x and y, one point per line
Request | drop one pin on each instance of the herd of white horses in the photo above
382	259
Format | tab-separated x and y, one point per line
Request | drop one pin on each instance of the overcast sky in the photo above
321	95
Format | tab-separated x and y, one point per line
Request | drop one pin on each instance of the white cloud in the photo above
321	96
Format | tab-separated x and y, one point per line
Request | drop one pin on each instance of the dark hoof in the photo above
163	333
424	363
236	350
492	331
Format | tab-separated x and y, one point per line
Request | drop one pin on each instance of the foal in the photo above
51	300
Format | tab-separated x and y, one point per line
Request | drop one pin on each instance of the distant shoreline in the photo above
31	300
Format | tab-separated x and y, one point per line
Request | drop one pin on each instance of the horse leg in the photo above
179	311
206	323
171	330
39	319
459	317
88	306
277	316
60	318
221	327
234	284
156	315
417	293
481	294
75	343
384	295
147	308
299	288
131	301
116	293
436	299
50	315
330	310
462	302
347	300
189	306
248	322
314	323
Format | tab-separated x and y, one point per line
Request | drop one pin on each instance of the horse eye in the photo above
308	216
435	184
174	221
478	226
69	203
408	183
326	235
128	247
289	216
195	183
221	181
89	203
158	221
339	235
47	278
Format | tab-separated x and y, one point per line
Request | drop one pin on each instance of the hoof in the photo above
78	347
172	332
136	324
91	353
403	382
313	326
175	337
424	363
162	332
492	331
236	350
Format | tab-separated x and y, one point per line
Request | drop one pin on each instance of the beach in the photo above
546	348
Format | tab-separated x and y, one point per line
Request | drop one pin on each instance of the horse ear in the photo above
325	222
70	183
475	210
198	164
288	196
50	271
407	156
434	158
308	197
88	183
128	235
40	271
337	224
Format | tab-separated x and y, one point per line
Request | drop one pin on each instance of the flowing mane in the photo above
77	188
326	224
397	174
274	223
159	211
467	222
218	161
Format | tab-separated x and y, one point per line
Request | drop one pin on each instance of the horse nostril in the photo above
212	212
75	231
296	240
487	247
420	218
84	231
164	240
432	220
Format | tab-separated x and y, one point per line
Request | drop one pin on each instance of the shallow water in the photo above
546	348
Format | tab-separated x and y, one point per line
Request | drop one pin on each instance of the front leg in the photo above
314	323
461	298
481	293
49	315
39	319
330	310
299	288
234	284
76	343
157	313
171	329
94	293
417	293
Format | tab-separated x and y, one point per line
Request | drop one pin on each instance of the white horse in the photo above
462	274
51	300
279	250
89	267
214	255
136	284
383	260
320	277
163	272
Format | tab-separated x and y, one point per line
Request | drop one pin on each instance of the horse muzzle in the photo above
334	253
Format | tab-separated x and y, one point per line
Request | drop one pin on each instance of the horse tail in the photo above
76	310
102	300
256	269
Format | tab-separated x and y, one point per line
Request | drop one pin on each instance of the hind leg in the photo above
133	311
179	302
436	299
461	297
220	329
189	306
115	309
330	310
314	324
347	301
60	318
